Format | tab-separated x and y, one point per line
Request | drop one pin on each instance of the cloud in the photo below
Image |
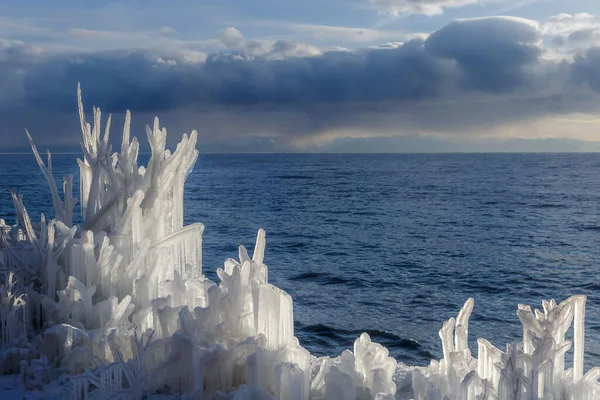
572	33
471	77
231	37
586	69
344	34
493	53
565	24
144	82
167	31
233	40
328	34
83	40
284	49
425	7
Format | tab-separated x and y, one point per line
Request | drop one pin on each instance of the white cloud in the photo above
565	24
192	56
337	34
284	49
231	38
569	34
166	31
390	45
395	8
75	39
425	7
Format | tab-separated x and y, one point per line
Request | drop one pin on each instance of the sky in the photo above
310	75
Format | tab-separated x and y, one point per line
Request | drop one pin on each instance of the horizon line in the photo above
341	152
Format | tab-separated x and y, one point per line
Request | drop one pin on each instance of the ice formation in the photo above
119	306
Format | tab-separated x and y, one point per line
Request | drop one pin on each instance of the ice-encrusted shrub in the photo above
86	293
532	369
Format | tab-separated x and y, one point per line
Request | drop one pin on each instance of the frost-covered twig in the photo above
63	209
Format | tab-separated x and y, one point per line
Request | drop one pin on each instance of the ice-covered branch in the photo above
531	369
63	209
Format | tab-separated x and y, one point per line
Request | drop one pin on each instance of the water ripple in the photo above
393	244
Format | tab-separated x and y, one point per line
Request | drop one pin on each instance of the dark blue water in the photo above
394	244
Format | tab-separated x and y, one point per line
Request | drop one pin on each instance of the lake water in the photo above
393	244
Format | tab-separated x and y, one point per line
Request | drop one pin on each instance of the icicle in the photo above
578	337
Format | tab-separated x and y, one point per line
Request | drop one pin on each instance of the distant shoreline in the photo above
343	153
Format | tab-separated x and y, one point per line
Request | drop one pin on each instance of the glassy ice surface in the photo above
392	245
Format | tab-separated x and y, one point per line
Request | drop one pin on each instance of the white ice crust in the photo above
119	307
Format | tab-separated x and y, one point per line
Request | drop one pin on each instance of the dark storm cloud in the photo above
469	72
138	81
487	55
493	54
